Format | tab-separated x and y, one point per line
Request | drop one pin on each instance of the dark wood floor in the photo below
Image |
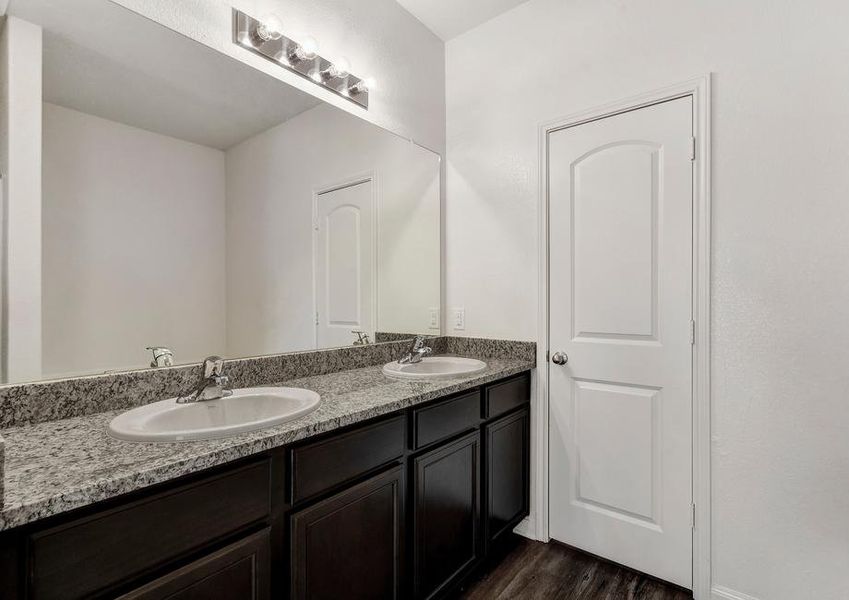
535	571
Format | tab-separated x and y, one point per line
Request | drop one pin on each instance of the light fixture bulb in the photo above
270	28
363	85
336	70
340	68
307	49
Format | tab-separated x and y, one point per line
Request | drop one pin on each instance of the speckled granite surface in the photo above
30	403
56	466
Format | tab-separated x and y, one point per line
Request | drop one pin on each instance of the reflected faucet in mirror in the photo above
417	352
362	338
162	356
213	383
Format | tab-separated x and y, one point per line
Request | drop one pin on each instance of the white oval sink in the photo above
248	409
435	367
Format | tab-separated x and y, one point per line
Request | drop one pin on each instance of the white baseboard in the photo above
526	528
723	593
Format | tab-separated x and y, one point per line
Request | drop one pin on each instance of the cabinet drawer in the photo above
507	395
241	570
444	419
319	466
95	553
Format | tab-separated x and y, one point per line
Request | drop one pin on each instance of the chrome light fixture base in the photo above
284	52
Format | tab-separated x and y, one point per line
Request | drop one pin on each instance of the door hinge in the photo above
316	317
692	148
692	332
547	355
693	517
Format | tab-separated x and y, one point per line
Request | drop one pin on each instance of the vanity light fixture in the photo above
265	38
270	28
338	69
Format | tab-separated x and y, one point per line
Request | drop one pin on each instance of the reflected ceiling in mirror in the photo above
191	202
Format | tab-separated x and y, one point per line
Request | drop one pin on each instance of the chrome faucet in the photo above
213	384
162	356
417	352
362	338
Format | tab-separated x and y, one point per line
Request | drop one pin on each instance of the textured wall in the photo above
133	238
780	247
271	179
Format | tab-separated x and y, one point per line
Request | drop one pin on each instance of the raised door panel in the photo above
239	571
446	515
614	205
350	545
507	473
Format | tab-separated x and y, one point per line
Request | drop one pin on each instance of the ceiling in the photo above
107	61
450	18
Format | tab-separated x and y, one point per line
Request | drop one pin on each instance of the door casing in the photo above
536	526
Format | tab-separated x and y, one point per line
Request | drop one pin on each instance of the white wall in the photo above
271	179
20	166
134	244
379	38
780	246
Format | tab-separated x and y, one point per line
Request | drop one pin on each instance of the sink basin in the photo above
248	409
435	367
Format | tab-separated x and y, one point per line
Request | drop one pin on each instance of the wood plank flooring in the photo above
534	570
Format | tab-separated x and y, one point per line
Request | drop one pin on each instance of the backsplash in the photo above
30	403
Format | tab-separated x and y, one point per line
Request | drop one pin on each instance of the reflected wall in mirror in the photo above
183	199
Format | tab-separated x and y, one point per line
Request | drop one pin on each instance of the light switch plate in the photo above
458	318
434	318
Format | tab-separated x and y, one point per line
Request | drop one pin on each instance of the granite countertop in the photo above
58	466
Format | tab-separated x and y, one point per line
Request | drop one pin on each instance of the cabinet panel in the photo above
350	545
446	514
507	459
319	466
504	396
240	570
443	419
95	553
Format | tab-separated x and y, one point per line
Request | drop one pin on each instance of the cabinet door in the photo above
507	474
446	514
240	570
350	545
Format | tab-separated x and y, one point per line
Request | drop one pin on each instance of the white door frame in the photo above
317	191
699	89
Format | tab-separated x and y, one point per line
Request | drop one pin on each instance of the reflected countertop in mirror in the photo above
193	203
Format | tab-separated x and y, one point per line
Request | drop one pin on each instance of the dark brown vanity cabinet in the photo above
239	570
407	505
350	544
446	514
507	447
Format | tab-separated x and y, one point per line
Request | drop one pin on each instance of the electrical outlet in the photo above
458	318
434	318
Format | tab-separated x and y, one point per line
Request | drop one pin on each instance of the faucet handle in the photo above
162	356
213	366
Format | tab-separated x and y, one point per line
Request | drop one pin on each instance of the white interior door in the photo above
620	309
344	274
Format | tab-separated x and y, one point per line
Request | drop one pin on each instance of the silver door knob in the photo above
559	358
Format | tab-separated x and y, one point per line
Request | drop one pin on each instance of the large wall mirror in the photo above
191	202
